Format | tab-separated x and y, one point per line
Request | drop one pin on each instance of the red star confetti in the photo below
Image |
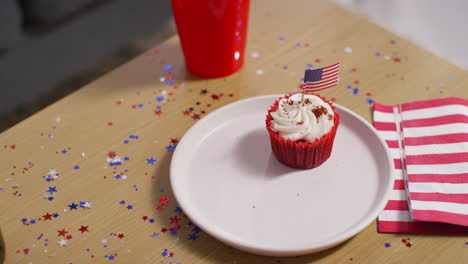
356	82
111	154
163	200
397	59
62	232
109	123
145	218
406	242
83	229
121	236
195	116
164	230
317	61
174	141
215	96
68	237
158	112
47	216
174	219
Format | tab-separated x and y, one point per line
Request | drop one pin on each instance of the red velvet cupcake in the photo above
302	130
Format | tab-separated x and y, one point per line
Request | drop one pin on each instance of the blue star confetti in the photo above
150	160
387	245
170	148
73	206
193	236
52	190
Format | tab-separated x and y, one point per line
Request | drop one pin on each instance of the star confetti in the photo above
73	206
62	242
83	229
170	148
166	253
150	160
47	216
51	190
174	219
62	232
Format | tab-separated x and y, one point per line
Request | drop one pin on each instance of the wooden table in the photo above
118	115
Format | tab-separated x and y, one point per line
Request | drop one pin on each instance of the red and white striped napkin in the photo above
429	144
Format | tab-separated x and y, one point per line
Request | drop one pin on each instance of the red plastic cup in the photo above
213	35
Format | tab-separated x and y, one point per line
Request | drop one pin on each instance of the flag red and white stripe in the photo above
430	193
323	78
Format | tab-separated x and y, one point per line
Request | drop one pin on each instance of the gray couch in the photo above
43	42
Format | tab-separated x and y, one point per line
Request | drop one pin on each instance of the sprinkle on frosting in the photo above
307	120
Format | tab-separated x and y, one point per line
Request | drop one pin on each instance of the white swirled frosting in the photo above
302	121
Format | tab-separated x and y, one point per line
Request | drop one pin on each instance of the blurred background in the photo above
49	48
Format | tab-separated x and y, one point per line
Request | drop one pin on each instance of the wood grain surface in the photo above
118	113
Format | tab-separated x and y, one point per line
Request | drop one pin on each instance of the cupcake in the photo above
302	130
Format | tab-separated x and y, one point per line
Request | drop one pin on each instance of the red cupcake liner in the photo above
299	154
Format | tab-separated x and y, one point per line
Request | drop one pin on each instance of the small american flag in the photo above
319	79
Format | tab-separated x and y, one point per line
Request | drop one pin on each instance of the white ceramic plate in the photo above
226	179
